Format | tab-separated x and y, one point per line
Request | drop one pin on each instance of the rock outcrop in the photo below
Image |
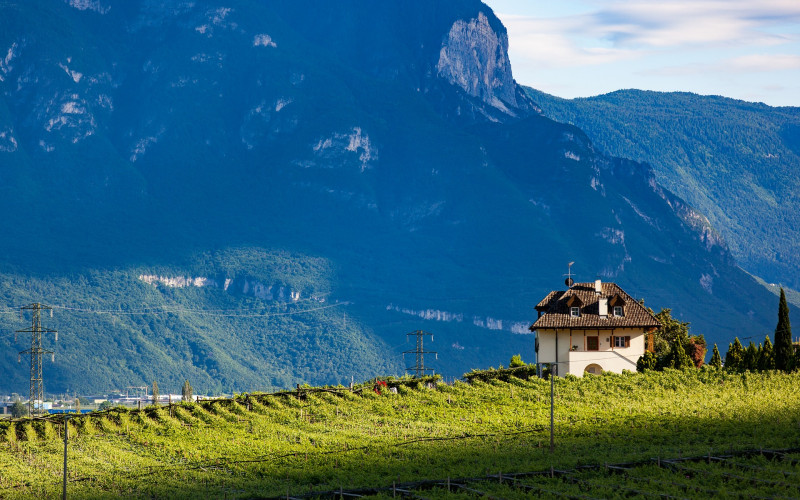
475	58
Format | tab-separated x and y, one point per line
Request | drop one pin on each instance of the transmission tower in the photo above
419	368
36	351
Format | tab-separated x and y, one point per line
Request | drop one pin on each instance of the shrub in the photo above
516	361
646	362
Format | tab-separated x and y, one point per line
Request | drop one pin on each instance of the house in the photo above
591	328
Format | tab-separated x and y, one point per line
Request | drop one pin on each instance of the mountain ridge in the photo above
240	143
733	160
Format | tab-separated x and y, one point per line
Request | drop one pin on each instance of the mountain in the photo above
736	162
256	194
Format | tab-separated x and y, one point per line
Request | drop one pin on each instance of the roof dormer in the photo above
616	300
616	306
574	303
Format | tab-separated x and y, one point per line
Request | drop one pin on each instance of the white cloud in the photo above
764	62
752	63
624	30
550	43
681	22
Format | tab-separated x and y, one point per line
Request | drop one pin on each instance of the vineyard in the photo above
696	433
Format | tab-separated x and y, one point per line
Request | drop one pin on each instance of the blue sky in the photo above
745	49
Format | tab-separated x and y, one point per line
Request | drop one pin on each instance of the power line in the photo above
234	313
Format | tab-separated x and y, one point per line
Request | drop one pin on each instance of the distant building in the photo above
42	405
591	328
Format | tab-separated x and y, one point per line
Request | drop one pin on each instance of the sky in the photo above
744	49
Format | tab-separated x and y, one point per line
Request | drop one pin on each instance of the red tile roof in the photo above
556	313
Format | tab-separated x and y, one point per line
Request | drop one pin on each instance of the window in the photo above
617	310
592	343
575	312
622	341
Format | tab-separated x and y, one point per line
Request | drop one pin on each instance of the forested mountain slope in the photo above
736	162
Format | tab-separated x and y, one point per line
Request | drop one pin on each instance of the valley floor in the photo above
314	440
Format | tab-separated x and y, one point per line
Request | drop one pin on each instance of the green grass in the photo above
271	444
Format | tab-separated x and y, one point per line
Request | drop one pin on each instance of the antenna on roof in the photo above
569	281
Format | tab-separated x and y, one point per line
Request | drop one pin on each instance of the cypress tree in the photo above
677	357
750	359
716	360
735	356
766	358
784	352
186	391
155	392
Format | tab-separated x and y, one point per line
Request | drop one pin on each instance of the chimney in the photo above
602	306
602	302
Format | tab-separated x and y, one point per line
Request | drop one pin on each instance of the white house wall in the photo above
575	360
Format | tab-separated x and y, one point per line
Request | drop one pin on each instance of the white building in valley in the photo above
591	328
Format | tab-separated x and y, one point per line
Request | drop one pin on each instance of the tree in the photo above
670	329
664	339
186	391
750	358
716	360
105	405
784	352
697	349
766	357
646	362
735	356
677	357
19	410
155	392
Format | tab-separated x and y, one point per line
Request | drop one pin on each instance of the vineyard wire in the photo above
672	463
563	474
269	457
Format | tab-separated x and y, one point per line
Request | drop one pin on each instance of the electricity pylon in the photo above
36	351
419	368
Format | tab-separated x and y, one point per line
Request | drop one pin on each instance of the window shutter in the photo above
627	341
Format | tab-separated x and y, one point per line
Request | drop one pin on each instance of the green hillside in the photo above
242	330
736	162
315	440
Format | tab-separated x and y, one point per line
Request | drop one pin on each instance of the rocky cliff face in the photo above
475	58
